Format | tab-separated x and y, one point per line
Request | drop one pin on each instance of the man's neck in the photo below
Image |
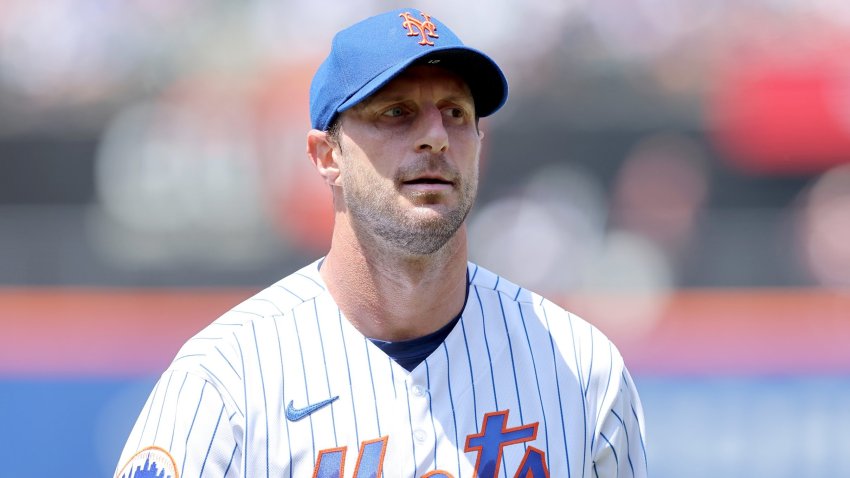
395	297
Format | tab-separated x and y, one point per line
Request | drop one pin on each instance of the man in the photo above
393	356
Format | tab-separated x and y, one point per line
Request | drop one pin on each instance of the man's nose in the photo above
433	136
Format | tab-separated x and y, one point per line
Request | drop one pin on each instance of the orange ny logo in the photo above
424	29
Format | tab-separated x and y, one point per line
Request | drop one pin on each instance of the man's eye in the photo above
455	112
394	112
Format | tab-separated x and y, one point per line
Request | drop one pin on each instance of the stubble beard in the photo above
375	210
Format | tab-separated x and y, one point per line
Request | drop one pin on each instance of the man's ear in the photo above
320	149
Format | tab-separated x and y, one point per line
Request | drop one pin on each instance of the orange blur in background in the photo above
56	333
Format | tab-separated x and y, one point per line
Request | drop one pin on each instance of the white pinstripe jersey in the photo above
519	388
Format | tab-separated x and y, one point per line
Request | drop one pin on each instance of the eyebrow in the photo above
464	98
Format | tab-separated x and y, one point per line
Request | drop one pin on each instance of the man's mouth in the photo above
428	184
425	180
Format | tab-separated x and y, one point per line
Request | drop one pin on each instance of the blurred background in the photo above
675	171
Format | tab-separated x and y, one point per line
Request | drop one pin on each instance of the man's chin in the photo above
431	215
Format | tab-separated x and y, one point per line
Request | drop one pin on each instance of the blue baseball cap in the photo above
367	55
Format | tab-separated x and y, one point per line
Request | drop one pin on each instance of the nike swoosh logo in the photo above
294	414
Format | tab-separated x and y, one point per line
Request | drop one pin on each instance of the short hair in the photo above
333	130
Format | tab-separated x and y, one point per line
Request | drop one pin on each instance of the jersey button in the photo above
418	390
419	435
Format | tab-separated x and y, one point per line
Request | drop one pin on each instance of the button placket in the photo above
420	402
419	391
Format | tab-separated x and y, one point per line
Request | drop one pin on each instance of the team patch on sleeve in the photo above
150	462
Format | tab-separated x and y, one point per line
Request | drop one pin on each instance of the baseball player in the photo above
393	355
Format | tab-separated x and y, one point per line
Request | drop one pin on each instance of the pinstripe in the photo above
560	399
628	445
348	369
325	360
320	286
229	463
490	359
225	359
188	356
192	426
213	376
372	379
613	450
273	305
471	376
452	403
630	384
600	414
590	369
265	400
431	409
513	361
583	398
392	377
395	392
291	293
304	374
282	392
642	445
536	381
610	369
487	346
149	406
165	395
212	440
410	421
245	452
176	407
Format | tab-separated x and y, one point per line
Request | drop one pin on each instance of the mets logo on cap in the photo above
424	29
150	462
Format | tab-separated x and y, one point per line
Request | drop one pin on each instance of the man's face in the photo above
408	160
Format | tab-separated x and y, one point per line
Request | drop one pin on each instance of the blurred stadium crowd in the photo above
647	144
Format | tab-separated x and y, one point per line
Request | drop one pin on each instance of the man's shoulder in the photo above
276	301
485	279
279	298
536	309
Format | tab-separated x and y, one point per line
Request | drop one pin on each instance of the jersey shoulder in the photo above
216	346
482	278
279	298
541	312
591	357
276	300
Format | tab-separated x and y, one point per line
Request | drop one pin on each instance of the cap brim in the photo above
485	79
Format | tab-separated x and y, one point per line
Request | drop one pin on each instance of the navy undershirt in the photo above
410	353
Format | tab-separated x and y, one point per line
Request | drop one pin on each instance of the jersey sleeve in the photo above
184	429
618	449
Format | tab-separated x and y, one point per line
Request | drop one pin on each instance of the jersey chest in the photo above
484	402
